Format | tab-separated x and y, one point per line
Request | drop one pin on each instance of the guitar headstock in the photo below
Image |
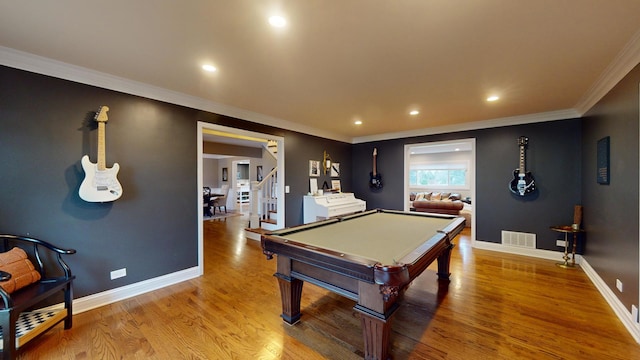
101	115
522	141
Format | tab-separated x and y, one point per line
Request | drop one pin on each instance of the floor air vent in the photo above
520	239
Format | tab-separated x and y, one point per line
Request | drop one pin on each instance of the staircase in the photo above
264	200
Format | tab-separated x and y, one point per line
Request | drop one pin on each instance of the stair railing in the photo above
264	199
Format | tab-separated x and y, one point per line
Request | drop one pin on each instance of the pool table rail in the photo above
350	265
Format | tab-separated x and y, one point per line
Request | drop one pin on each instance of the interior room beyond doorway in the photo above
441	171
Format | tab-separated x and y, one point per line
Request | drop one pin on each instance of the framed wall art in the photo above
313	186
335	169
314	168
603	161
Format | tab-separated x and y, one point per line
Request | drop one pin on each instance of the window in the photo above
453	175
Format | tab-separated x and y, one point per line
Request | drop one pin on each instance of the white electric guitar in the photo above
100	184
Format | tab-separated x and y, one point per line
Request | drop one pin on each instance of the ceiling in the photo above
340	61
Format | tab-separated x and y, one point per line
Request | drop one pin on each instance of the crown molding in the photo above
476	125
621	65
45	66
624	62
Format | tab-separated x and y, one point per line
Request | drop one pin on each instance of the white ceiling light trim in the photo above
209	68
277	21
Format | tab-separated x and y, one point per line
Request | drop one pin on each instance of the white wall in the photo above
210	173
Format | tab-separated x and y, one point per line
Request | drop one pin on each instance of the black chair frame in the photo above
48	288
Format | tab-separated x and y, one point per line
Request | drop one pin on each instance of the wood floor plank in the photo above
497	306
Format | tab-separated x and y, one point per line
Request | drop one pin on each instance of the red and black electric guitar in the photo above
522	183
375	179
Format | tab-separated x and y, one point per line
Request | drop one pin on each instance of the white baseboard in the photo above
90	302
537	253
623	314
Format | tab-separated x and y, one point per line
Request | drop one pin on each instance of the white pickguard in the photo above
99	185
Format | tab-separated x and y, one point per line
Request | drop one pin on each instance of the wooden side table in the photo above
568	229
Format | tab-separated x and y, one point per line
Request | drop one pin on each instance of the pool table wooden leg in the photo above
376	330
443	263
290	293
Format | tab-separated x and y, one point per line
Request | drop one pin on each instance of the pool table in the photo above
368	257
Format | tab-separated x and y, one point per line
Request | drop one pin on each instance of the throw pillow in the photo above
436	196
22	271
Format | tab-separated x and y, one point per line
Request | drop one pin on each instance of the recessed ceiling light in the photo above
358	122
209	68
414	112
277	21
493	98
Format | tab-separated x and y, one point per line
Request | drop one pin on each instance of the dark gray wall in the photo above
298	151
46	126
553	156
611	211
562	158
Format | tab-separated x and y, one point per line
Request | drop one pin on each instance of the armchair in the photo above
23	286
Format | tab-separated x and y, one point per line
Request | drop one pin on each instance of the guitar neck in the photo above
102	161
521	169
374	165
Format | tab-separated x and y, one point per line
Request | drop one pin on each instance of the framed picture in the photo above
335	185
259	173
314	168
335	169
603	161
225	174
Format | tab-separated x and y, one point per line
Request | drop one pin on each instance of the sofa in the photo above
436	202
441	203
438	206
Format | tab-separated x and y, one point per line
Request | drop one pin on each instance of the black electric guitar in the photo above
100	183
375	180
522	183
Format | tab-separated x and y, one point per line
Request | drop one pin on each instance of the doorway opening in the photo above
443	166
238	137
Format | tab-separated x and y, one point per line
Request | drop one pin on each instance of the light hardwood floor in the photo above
497	306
